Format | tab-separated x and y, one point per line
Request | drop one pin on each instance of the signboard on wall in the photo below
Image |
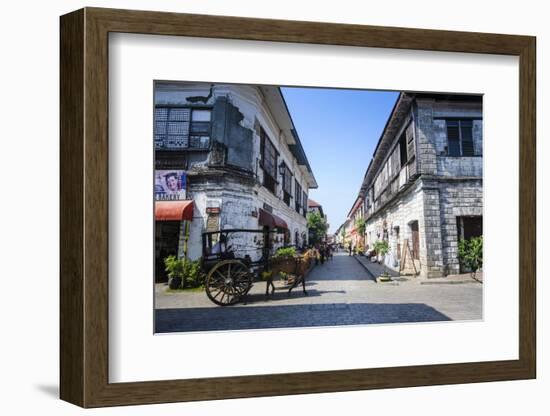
170	185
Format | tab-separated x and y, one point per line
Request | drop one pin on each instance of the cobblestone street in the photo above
340	292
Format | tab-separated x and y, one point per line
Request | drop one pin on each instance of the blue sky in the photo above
339	130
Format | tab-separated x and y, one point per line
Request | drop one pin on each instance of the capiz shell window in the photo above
179	128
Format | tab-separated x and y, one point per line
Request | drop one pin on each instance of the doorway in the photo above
415	240
468	227
167	235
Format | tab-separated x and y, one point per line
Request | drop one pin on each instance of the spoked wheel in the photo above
227	282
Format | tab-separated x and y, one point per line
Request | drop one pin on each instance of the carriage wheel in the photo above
227	281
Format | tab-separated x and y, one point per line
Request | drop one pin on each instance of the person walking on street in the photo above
329	252
349	249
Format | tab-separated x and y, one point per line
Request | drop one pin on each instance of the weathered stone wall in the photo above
239	206
457	198
236	139
407	208
431	129
431	248
448	187
238	113
435	205
426	150
458	166
452	185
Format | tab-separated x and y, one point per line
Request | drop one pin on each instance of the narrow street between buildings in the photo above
339	292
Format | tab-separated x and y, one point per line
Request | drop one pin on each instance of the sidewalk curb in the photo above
367	269
450	282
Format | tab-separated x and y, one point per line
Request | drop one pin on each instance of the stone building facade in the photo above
423	190
242	158
354	236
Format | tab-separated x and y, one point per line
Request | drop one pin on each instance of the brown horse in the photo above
296	267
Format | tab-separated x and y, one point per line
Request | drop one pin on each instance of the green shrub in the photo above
360	226
470	253
381	247
194	277
174	266
286	252
189	272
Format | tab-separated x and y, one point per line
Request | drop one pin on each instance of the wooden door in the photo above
415	237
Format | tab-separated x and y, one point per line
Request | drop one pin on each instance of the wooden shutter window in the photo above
262	146
411	151
460	141
467	138
453	138
268	162
403	150
297	196
410	141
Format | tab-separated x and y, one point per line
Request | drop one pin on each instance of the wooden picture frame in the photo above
84	207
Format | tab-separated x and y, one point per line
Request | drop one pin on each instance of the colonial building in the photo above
422	191
314	206
234	160
356	213
343	234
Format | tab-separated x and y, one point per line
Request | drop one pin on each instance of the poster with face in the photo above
170	185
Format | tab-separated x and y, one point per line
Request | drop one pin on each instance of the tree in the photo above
360	226
470	254
317	226
382	248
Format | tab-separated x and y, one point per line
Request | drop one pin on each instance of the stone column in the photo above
431	251
426	152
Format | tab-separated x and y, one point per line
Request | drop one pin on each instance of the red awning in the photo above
271	220
174	210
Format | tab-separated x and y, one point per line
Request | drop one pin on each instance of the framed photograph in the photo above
255	207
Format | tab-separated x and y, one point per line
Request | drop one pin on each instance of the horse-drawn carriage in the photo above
227	260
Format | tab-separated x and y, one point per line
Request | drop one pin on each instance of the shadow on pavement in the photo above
282	294
289	316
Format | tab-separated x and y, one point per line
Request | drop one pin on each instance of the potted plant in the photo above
183	273
382	248
284	258
470	254
175	268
